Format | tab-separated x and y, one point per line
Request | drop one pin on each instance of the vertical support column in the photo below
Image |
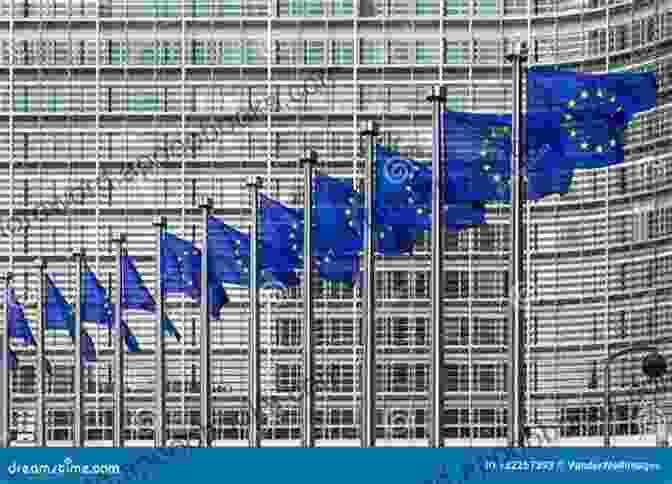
516	337
253	352
78	420
368	402
41	417
5	390
206	207
160	225
119	410
438	100
607	401
309	160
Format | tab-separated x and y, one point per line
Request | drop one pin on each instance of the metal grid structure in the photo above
86	86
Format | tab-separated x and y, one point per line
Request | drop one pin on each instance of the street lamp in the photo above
653	366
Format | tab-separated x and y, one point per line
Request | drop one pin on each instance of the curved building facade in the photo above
89	86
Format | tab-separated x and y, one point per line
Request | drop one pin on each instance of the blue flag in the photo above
283	243
97	307
404	203
181	272
338	217
60	315
19	326
135	294
478	157
13	361
592	110
229	258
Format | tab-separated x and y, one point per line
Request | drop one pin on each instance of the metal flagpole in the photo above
40	418
368	402
160	356
206	207
119	411
254	396
516	336
78	420
309	160
6	382
438	100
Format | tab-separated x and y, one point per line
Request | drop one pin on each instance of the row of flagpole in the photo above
515	415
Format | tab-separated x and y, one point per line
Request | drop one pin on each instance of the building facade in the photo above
87	87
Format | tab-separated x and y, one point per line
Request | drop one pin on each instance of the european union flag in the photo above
135	294
19	326
228	253
181	273
61	316
283	243
130	339
338	217
13	361
404	203
229	258
478	157
96	306
592	110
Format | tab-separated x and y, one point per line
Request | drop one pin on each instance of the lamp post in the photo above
653	366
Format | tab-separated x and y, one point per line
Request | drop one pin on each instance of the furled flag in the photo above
592	110
13	361
181	272
19	326
61	316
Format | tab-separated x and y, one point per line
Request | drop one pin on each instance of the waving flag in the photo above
181	273
592	110
61	316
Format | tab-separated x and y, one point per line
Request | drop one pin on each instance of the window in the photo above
56	104
144	103
287	378
484	378
455	55
457	331
23	104
375	55
423	7
455	377
232	8
424	55
487	331
288	332
199	8
343	8
343	55
455	7
312	53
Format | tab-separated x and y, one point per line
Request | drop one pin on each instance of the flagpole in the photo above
119	411
254	397
516	336
206	208
78	418
438	100
368	402
309	160
40	418
160	356
5	390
